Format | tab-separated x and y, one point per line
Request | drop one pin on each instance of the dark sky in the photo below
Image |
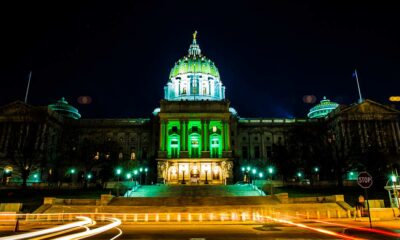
269	53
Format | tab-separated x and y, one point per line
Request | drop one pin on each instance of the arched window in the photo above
204	91
184	90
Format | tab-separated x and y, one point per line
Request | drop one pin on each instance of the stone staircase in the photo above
189	195
193	191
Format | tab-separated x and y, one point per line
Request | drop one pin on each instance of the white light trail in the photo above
85	221
115	222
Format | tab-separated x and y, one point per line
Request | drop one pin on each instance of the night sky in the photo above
269	54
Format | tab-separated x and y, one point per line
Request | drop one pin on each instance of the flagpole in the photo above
27	88
358	86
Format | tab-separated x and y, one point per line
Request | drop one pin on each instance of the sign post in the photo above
364	180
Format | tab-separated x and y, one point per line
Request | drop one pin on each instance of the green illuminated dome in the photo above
62	107
194	77
322	109
194	64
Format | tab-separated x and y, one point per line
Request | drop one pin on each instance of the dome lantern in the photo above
322	109
66	110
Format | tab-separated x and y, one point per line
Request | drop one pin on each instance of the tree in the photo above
26	150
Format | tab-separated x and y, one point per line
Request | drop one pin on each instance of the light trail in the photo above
118	234
85	221
372	230
60	233
320	230
115	222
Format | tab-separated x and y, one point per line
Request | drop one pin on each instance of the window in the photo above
144	153
97	156
133	155
269	151
195	129
120	155
174	129
255	138
184	90
257	152
174	148
204	91
214	129
245	154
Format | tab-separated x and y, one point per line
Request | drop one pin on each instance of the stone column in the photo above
166	135
162	143
207	135
203	135
227	145
181	136
394	134
186	137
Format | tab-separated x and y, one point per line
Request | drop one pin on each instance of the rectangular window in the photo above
269	151
256	152
245	154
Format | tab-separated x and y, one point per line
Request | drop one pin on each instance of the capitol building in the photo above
194	136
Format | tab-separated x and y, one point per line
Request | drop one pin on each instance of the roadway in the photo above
276	231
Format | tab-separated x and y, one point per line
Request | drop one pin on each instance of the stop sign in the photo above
364	179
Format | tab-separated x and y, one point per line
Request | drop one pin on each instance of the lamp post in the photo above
395	193
135	173
145	179
254	171
118	172
140	175
316	171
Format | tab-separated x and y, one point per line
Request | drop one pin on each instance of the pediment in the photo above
16	108
368	109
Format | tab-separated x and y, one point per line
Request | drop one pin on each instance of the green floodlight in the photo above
135	172
128	176
316	169
394	178
254	171
299	174
141	169
146	169
351	173
118	171
248	168
72	170
243	169
271	170
35	176
89	176
260	174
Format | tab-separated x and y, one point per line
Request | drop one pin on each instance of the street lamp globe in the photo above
254	171
248	168
135	172
394	178
299	174
146	169
128	176
271	170
260	174
118	171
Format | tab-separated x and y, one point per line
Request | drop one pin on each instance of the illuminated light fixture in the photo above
394	178
248	168
135	172
322	109
271	170
254	171
316	169
260	174
394	98
299	174
146	169
89	176
140	169
243	169
128	176
214	129
72	171
118	171
35	176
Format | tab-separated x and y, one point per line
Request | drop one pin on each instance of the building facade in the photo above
194	136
